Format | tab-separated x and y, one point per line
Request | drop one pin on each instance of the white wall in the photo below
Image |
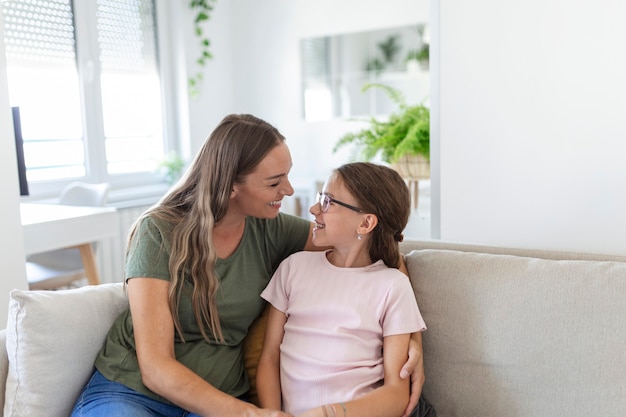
12	242
531	123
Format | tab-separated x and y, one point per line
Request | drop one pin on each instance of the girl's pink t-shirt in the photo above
336	320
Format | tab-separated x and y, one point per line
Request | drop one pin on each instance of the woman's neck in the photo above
227	235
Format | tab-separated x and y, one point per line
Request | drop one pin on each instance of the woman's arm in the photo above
415	368
160	371
268	370
390	399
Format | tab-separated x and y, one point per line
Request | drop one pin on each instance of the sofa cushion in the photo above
52	341
518	336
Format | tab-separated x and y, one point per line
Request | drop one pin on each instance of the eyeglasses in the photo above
324	201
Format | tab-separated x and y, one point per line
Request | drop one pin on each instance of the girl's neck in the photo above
349	258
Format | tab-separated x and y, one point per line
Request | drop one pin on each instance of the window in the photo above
84	74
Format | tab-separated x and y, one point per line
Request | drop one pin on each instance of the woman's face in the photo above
338	225
261	193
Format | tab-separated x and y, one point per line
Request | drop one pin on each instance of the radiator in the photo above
110	252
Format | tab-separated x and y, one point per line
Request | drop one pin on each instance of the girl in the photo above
334	345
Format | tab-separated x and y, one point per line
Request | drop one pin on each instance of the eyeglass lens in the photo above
324	201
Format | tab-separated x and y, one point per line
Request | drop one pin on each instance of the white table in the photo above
48	227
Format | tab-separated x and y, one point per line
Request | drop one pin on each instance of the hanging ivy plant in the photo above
202	10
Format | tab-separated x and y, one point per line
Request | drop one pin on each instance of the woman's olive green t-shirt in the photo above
243	275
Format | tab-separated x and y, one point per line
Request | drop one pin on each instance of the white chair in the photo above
64	267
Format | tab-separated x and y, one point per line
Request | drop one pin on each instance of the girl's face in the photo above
339	224
261	193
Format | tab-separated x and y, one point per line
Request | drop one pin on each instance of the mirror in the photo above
335	69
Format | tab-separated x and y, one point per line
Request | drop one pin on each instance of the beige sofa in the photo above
511	333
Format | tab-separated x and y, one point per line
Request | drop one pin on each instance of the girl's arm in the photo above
391	398
268	370
160	371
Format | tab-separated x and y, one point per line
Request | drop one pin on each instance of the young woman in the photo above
196	263
339	328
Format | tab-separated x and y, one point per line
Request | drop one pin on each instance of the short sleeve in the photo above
276	292
402	314
149	251
286	234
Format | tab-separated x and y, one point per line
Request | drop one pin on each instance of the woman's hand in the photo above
414	367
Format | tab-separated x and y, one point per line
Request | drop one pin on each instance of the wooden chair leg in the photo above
89	263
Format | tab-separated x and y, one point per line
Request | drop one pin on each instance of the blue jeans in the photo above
104	398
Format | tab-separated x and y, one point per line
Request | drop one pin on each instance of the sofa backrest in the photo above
515	332
410	245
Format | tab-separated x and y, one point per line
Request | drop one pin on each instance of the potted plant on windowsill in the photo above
403	140
171	167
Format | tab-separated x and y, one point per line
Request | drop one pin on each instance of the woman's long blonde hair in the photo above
198	202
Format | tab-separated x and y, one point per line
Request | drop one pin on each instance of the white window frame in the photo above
131	185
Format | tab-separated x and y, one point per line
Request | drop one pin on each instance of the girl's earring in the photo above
359	236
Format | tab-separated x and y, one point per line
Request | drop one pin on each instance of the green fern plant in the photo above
405	132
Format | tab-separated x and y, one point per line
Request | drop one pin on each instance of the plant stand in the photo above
413	168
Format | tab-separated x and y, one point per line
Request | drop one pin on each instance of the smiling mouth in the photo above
318	226
275	203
